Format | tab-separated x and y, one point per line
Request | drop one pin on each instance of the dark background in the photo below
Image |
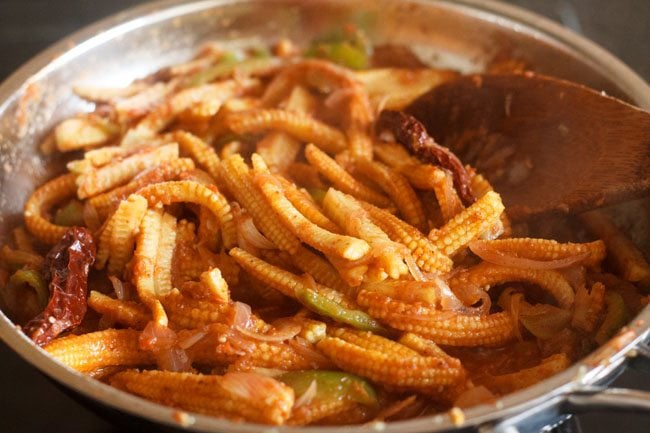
29	403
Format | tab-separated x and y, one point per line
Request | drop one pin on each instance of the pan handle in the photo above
581	400
590	398
613	399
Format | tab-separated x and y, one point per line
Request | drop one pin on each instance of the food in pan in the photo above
266	236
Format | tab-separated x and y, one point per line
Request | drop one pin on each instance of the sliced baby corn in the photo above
468	225
166	170
442	327
123	231
398	189
236	396
387	366
117	173
305	204
346	247
348	213
166	193
424	252
100	349
543	250
145	264
485	275
298	125
128	313
341	179
237	177
41	202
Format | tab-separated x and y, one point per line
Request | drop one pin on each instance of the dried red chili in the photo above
411	133
68	263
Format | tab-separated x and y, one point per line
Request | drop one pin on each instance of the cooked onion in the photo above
249	237
395	408
156	337
542	320
238	342
250	386
242	317
415	271
163	342
489	253
493	232
575	275
118	287
191	339
282	334
308	395
448	300
307	351
173	359
474	396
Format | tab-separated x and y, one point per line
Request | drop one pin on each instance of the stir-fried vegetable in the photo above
330	308
348	47
543	320
231	62
331	386
33	279
70	215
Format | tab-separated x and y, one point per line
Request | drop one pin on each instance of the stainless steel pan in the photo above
464	35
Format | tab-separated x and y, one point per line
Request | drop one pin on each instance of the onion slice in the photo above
448	299
489	253
308	395
282	334
307	351
190	340
415	271
247	233
242	316
395	408
118	287
251	386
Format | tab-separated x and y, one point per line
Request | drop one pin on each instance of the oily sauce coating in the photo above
68	263
412	134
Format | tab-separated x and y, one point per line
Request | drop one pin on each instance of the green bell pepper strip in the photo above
33	279
332	386
341	53
70	215
329	308
229	63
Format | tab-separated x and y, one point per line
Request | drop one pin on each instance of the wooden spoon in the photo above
547	145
